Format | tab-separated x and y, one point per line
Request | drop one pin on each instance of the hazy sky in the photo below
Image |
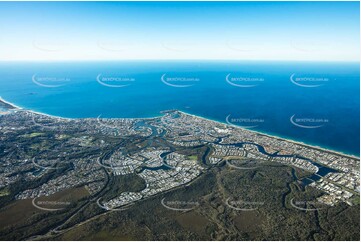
180	30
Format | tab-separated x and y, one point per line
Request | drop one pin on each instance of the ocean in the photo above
312	102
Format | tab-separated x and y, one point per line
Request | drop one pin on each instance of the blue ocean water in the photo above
313	102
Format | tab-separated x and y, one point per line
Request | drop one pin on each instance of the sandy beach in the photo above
260	133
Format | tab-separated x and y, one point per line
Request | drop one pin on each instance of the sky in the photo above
311	31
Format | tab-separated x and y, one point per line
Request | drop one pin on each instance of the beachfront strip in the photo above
70	153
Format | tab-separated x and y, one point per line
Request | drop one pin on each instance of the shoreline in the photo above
279	138
197	116
9	103
18	108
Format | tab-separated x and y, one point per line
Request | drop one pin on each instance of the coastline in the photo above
197	116
18	108
279	138
9	103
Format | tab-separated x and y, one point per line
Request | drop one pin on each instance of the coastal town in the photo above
69	153
180	120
